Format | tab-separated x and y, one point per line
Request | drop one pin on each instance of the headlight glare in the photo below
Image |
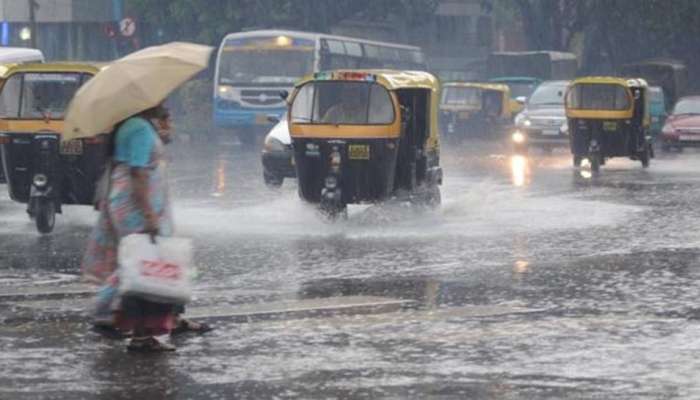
40	180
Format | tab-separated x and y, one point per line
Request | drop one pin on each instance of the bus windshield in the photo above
39	95
343	103
264	66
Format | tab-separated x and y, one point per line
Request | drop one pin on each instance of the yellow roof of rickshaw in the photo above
611	80
390	79
7	70
479	85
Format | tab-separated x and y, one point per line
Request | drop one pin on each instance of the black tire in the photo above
45	213
272	181
595	160
645	156
577	161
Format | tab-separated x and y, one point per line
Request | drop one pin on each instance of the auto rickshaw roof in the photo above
390	79
7	70
611	80
479	85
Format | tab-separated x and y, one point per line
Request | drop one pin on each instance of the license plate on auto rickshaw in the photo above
72	147
464	115
609	126
358	152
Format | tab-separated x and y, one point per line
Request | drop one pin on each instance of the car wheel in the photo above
272	181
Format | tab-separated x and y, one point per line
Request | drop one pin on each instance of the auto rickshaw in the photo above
42	171
608	117
475	110
363	136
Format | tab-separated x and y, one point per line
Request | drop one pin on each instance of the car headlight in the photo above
273	145
226	92
518	137
40	180
668	130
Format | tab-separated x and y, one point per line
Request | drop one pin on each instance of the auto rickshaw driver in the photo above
350	106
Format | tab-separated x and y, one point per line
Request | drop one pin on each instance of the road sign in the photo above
127	27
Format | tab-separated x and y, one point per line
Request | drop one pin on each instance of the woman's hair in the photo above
157	112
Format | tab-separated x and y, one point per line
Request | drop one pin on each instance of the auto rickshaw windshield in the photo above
598	96
39	95
462	96
342	103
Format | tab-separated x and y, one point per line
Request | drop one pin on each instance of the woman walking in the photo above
137	202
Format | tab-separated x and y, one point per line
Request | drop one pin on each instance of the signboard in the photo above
127	27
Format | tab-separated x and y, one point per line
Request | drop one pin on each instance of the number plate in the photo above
464	115
358	152
610	126
72	147
550	132
690	138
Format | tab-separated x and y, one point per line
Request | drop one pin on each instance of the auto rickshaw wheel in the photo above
577	161
596	161
645	156
45	215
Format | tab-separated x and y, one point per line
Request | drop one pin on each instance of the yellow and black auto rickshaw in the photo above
41	170
363	136
608	117
475	110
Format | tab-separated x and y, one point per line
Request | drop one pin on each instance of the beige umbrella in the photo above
130	85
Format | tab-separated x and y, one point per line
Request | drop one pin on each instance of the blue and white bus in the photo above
253	68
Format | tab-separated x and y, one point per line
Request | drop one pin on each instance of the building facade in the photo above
62	29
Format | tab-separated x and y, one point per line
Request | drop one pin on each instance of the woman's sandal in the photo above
185	326
149	345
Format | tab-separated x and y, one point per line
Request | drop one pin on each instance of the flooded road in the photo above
531	281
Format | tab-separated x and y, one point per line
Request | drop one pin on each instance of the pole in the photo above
33	5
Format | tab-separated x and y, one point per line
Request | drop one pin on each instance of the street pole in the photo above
33	5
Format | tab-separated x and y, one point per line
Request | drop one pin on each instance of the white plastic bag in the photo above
158	272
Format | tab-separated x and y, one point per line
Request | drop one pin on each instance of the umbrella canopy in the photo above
130	85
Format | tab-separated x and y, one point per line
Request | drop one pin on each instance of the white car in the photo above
278	155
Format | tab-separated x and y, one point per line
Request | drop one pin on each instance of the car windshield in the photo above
462	96
342	102
39	95
262	66
598	96
547	95
687	106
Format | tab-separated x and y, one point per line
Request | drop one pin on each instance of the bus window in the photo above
371	51
336	47
353	49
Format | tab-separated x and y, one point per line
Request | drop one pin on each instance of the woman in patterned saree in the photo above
137	202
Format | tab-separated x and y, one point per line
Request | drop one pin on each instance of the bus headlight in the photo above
518	137
226	92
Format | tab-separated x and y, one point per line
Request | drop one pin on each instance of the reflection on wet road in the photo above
532	280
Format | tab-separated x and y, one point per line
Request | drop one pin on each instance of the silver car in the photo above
543	120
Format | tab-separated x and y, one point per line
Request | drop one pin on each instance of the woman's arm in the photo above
139	181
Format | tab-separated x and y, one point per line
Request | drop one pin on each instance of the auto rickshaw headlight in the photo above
40	180
518	137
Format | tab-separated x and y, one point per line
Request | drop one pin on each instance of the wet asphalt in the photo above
531	281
